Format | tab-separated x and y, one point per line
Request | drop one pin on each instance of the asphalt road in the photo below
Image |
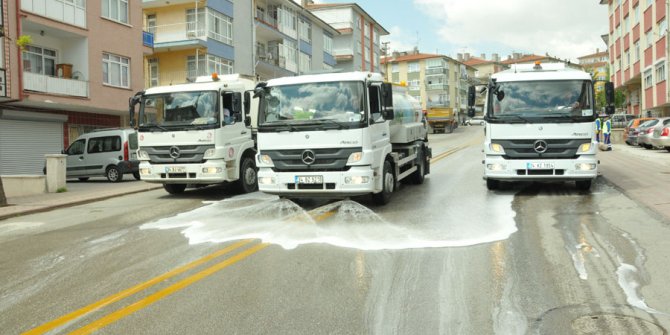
445	257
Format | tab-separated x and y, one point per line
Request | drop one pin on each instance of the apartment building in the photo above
436	80
357	47
484	68
291	40
262	39
638	53
597	64
67	67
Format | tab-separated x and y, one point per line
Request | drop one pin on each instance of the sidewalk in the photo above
77	193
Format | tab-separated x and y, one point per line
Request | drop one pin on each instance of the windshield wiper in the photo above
519	117
561	116
278	125
154	126
339	125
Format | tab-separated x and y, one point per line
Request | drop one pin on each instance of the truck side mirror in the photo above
247	121
471	98
387	95
388	114
132	102
247	102
609	93
471	111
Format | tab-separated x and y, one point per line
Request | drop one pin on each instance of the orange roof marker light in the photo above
537	65
215	76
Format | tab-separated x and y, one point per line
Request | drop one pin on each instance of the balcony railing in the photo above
175	77
265	18
436	70
148	39
438	86
178	32
443	103
54	85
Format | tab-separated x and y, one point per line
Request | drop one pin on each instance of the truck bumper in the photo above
498	168
358	180
211	172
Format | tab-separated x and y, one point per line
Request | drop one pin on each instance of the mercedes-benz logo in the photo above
540	146
174	152
308	157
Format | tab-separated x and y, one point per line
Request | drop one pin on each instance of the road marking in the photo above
123	312
135	289
453	150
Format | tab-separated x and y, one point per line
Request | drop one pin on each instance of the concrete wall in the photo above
23	185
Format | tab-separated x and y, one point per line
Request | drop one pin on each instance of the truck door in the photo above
233	128
379	128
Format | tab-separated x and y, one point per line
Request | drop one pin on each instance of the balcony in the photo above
174	77
439	103
262	17
437	87
436	70
178	35
54	85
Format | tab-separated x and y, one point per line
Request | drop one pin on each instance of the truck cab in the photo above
540	126
331	136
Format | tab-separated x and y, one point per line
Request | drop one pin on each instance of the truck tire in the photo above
174	188
450	128
114	174
492	184
248	181
419	175
583	185
388	185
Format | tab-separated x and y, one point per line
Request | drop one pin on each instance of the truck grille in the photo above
192	154
331	159
556	148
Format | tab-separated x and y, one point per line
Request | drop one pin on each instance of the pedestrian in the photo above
598	125
607	130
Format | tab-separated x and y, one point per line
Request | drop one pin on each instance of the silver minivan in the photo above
105	152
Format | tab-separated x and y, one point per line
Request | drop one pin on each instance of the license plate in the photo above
539	166
309	179
175	169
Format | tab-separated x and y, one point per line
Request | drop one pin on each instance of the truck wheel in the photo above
388	185
114	174
248	181
174	188
450	128
491	184
419	175
136	175
583	185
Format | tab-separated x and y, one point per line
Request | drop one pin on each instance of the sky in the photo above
565	29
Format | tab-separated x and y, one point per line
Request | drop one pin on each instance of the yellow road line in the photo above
453	150
323	216
123	312
128	292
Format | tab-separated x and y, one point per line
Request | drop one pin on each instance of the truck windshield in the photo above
541	102
179	111
313	105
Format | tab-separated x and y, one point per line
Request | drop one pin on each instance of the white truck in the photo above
338	135
195	133
539	125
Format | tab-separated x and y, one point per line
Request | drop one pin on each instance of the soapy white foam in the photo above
627	275
344	223
17	226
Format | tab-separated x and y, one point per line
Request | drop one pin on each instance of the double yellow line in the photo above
144	302
454	150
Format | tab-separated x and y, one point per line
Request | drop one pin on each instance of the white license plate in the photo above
175	169
309	179
539	166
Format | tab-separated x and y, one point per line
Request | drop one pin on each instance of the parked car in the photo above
476	120
645	131
621	120
661	135
632	130
105	152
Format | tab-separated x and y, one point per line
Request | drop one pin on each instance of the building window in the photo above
195	66
305	31
220	27
367	54
305	62
636	10
219	65
39	60
648	37
328	44
395	68
116	10
115	70
195	23
662	27
413	67
414	85
367	30
660	72
625	23
637	51
77	3
647	79
153	72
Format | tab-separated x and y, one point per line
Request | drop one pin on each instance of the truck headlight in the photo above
586	147
357	180
355	157
585	166
265	159
142	154
266	180
497	148
145	171
496	167
209	153
212	170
